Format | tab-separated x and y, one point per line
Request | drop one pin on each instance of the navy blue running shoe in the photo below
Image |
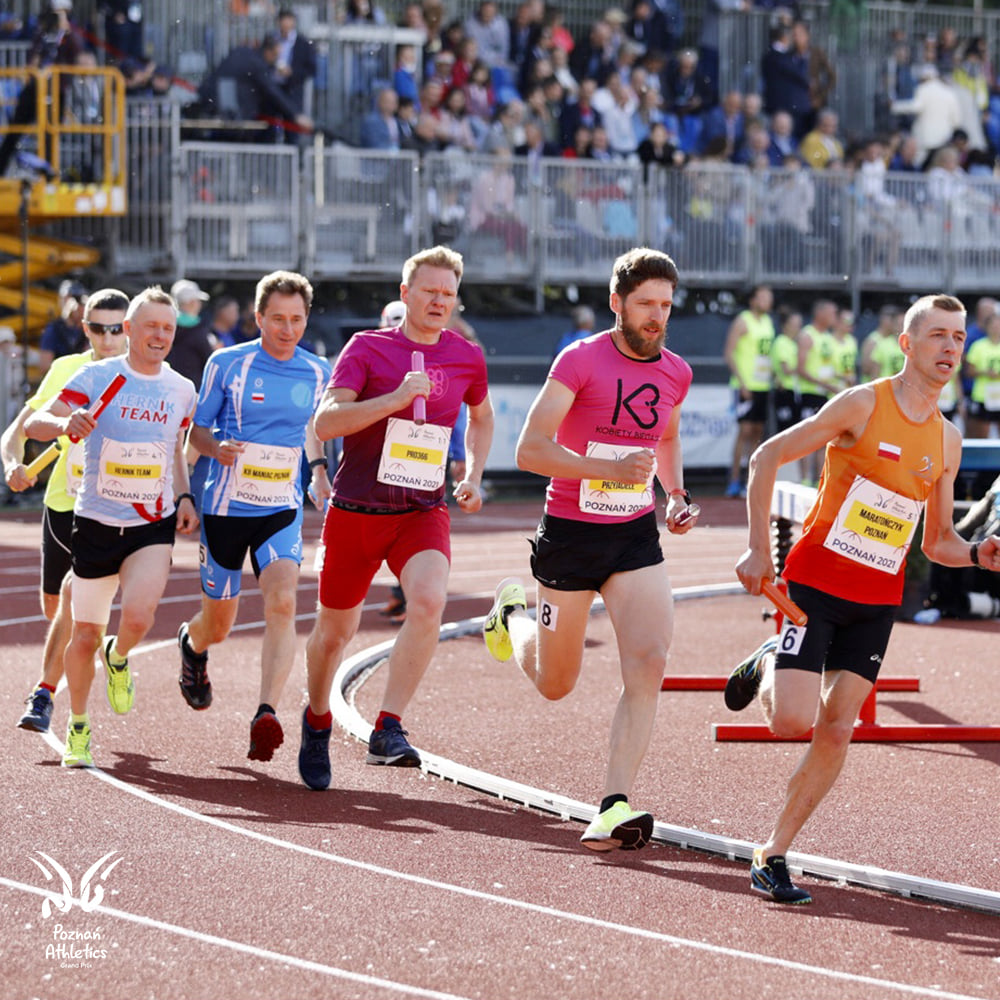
314	756
39	714
389	745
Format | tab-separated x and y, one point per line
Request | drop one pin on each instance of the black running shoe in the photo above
390	746
744	681
194	682
770	878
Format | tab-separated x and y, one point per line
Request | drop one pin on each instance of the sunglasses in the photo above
113	328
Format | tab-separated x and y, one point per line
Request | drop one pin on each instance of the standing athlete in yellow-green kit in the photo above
748	354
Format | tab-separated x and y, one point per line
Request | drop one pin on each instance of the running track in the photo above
235	880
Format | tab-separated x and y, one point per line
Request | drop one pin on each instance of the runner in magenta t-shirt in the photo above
606	421
373	364
388	497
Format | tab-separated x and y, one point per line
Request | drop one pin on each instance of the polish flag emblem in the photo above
257	397
891	451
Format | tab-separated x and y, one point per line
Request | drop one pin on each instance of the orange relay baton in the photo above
783	603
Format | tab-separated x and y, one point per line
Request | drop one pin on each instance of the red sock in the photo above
382	716
51	688
314	721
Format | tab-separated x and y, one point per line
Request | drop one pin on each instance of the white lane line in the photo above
357	669
458	890
249	949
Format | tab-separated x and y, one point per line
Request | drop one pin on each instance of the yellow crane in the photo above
73	166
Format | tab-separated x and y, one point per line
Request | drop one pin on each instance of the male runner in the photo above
888	453
253	418
126	510
388	496
103	326
607	419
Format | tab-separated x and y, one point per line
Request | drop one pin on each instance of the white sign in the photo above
708	426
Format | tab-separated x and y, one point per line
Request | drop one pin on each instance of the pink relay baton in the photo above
420	403
783	603
100	404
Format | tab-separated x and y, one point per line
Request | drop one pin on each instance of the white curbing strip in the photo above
357	669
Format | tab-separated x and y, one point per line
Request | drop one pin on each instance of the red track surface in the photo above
236	880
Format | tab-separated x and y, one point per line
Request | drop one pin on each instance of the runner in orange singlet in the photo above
888	454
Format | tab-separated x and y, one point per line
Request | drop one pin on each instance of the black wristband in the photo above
974	553
181	496
681	493
316	461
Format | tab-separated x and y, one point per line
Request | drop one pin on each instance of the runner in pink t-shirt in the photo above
606	421
388	496
618	401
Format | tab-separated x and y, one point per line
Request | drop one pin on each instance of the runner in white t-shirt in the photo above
133	496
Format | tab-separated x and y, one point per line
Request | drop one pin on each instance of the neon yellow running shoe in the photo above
618	826
510	595
77	752
121	688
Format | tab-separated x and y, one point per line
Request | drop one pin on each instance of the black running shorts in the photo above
100	549
581	555
752	410
840	634
57	528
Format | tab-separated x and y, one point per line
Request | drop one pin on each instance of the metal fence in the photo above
363	210
235	210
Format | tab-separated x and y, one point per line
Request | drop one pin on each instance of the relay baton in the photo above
51	453
100	404
46	458
783	603
420	403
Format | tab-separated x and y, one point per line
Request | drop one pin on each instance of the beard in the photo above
639	343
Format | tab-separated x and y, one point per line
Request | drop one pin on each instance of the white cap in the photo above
185	290
61	4
393	314
7	335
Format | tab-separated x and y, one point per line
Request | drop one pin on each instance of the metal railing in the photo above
235	210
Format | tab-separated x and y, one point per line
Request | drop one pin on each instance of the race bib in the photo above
266	475
610	497
74	468
991	395
874	526
133	472
949	397
762	368
414	455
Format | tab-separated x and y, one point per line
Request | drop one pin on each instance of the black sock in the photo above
264	707
189	649
609	800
